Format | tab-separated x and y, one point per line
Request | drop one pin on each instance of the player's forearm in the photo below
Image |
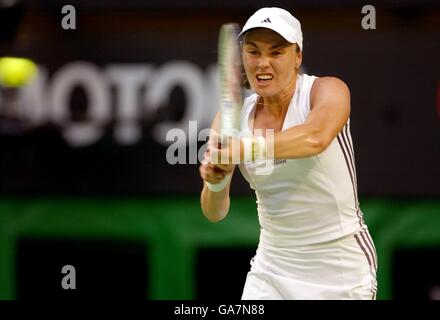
215	205
298	142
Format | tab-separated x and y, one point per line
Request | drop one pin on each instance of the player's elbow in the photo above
214	212
217	218
214	216
321	145
317	142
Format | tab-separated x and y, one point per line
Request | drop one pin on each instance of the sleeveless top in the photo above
307	200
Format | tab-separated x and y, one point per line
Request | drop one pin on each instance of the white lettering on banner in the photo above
96	86
34	99
212	96
191	80
128	80
140	91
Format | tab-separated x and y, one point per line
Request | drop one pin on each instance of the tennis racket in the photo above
230	80
231	91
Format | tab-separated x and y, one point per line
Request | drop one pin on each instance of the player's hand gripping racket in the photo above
231	89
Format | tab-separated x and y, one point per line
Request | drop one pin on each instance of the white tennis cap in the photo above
278	20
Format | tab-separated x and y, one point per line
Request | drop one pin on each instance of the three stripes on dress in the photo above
365	242
346	144
362	237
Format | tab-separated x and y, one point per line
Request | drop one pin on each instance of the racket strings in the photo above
230	71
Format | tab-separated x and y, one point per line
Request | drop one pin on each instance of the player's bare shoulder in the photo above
329	89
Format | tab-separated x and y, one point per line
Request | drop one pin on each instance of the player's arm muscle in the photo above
330	109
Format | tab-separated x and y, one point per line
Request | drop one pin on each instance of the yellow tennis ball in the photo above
16	72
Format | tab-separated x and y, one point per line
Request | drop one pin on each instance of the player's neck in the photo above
277	105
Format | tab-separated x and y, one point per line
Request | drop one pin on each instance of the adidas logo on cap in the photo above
266	20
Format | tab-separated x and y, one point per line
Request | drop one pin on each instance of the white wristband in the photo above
219	186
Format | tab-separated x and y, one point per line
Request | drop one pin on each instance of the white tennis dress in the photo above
313	243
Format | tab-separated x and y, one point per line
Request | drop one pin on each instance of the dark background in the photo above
392	72
127	219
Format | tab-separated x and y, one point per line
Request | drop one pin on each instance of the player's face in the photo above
270	62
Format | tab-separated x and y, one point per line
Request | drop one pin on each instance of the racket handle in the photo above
219	186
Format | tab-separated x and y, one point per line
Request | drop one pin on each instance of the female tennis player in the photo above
314	243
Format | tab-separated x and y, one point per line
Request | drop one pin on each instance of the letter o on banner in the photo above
96	87
181	74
